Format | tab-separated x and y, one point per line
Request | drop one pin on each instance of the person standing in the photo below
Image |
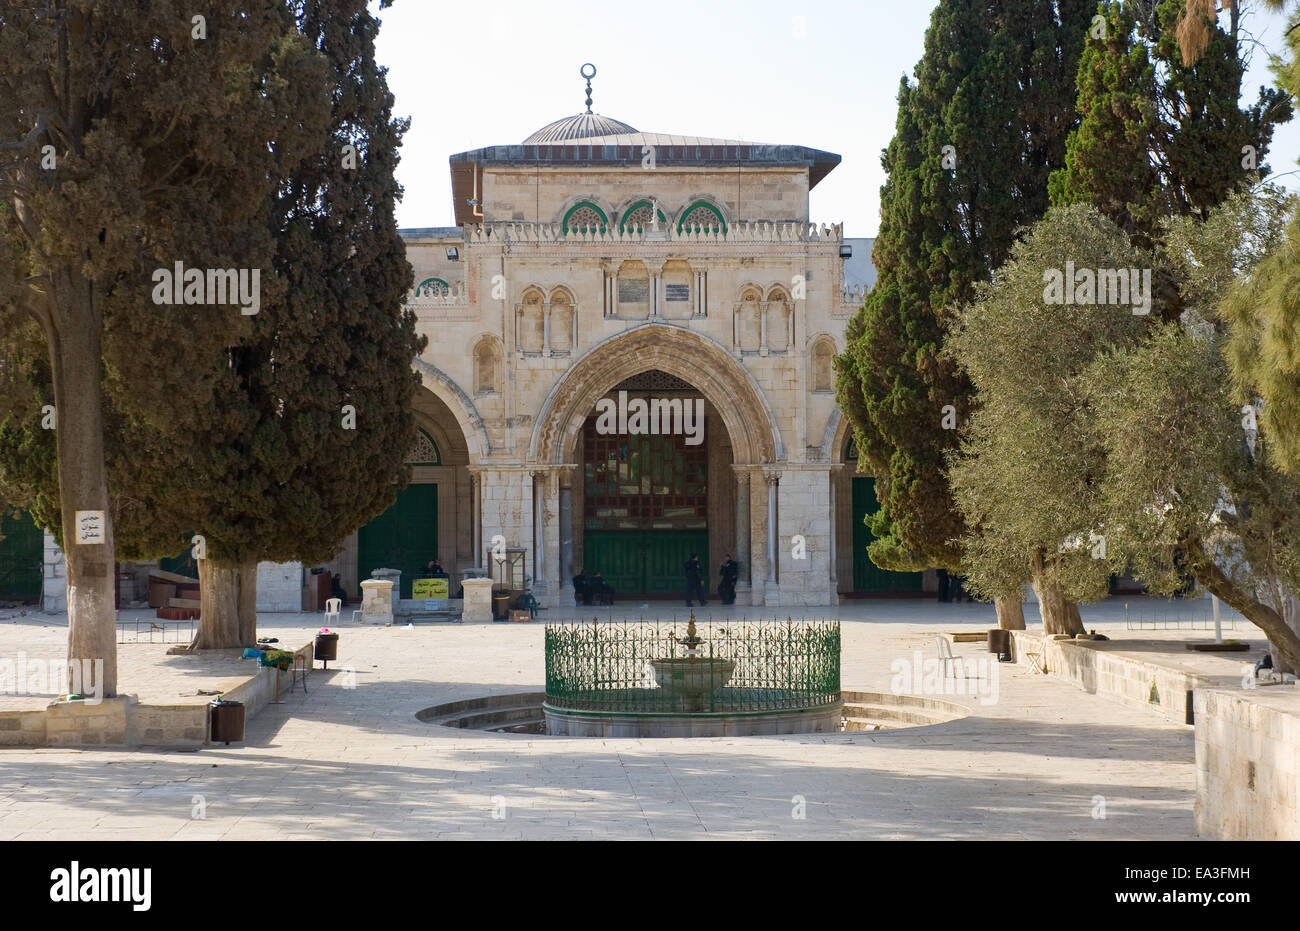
727	587
694	572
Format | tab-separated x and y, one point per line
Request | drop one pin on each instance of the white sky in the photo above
821	74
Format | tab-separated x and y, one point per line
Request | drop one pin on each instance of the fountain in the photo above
738	678
693	676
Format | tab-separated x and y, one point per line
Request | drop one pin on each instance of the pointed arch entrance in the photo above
635	505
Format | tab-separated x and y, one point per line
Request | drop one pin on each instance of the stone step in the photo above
489	719
894	714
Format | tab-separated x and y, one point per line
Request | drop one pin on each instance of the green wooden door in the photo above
643	562
21	557
867	576
404	537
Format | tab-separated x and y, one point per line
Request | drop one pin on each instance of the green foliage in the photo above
1026	475
996	83
1158	138
216	422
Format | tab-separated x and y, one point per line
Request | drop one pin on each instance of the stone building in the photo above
594	261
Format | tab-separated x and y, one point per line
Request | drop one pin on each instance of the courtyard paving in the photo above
349	760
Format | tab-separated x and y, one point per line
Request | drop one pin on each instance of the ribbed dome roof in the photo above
581	126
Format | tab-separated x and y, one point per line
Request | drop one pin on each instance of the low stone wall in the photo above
1091	666
1247	756
126	722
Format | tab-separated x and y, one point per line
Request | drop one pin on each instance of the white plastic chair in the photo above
947	658
332	606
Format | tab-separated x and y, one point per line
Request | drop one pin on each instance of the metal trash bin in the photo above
1000	643
326	648
227	721
501	606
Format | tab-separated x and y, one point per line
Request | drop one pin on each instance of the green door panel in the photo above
867	576
643	562
22	553
404	537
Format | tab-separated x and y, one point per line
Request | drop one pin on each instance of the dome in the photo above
581	126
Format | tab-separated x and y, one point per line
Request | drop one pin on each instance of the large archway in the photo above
696	359
432	516
635	506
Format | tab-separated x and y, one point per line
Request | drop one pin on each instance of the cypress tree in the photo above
996	84
130	139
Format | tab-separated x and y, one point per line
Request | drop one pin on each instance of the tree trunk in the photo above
227	605
76	361
1011	613
1059	615
1282	637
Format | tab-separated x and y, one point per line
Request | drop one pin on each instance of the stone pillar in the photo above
566	535
743	556
478	601
771	588
475	520
507	509
833	516
803	509
377	601
54	581
546	329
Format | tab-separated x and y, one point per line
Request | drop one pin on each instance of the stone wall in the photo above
54	584
1088	665
1247	751
279	587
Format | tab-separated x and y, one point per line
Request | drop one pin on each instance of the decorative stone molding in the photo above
693	357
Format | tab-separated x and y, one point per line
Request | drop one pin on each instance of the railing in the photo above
642	667
748	231
154	630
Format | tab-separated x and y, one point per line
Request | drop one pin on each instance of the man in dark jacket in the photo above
727	587
694	572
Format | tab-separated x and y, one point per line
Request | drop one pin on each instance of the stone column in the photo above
771	588
743	555
546	329
566	534
833	478
539	533
475	519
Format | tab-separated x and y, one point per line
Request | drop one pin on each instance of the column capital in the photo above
771	476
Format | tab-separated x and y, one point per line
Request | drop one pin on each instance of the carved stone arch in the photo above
692	357
706	204
640	207
778	292
575	209
836	436
461	405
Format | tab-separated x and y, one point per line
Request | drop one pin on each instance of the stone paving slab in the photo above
353	762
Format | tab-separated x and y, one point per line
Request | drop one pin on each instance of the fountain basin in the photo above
693	676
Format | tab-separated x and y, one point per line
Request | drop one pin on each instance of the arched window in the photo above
432	287
703	215
531	329
487	366
423	451
637	217
823	365
583	217
777	294
561	320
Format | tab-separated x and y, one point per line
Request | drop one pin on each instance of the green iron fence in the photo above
741	666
